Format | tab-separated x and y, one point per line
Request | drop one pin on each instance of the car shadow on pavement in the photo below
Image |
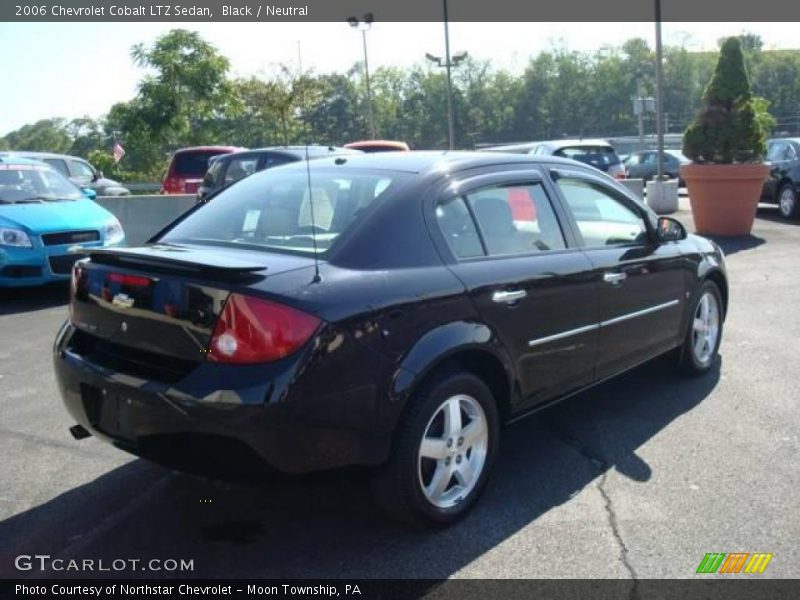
773	214
328	526
28	299
733	244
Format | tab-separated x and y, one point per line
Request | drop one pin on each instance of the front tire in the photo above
701	345
787	201
444	449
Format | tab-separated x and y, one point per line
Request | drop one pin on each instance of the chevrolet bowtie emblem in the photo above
122	300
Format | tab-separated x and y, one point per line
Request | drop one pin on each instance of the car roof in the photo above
299	152
575	142
39	155
421	161
208	149
785	139
13	159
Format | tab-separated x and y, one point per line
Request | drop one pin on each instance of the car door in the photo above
640	283
633	164
525	277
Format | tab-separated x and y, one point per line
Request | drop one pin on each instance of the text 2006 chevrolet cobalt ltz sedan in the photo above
384	310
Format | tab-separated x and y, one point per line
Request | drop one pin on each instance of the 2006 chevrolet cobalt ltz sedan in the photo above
384	310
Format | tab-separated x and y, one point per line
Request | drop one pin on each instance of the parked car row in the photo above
205	169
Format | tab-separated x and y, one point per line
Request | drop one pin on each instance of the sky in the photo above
75	69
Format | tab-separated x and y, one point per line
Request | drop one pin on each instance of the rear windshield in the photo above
601	156
272	210
192	164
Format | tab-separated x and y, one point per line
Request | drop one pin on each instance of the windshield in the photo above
34	183
272	210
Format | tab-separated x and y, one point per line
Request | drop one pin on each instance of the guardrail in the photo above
143	216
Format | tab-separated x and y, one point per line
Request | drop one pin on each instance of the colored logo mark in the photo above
734	562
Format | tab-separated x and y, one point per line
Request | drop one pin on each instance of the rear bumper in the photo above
221	419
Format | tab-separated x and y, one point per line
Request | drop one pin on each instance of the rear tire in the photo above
787	201
445	445
704	333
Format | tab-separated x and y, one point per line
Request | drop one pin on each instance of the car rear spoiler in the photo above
170	258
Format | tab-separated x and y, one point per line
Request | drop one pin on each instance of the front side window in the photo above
272	210
603	219
81	170
516	219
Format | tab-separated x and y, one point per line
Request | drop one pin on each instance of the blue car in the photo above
44	221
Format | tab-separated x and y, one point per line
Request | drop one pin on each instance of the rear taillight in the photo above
128	280
251	330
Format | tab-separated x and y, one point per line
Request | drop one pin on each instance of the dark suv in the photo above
226	169
781	187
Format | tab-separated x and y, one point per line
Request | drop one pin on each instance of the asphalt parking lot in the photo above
638	478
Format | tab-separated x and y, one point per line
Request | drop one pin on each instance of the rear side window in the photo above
511	219
214	174
239	168
58	164
597	156
191	164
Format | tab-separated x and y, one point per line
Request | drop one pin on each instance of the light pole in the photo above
448	64
659	94
363	26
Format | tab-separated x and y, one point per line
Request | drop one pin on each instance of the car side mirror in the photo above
89	192
98	175
670	230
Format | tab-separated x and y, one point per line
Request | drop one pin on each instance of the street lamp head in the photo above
352	21
432	58
457	58
368	18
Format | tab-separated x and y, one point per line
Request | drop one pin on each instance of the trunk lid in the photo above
165	299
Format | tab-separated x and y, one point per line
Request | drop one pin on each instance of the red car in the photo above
378	146
187	167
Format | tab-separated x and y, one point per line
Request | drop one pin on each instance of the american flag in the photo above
118	151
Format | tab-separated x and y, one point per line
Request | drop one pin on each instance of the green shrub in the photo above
730	126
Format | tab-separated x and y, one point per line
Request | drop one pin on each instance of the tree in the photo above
727	130
47	135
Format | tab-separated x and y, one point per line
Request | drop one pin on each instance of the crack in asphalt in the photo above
602	466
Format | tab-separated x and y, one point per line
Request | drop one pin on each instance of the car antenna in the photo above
316	278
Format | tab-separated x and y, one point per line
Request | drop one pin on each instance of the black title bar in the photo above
394	10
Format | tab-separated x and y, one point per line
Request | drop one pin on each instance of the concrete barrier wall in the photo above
142	216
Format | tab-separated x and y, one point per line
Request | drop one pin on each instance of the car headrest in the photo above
494	215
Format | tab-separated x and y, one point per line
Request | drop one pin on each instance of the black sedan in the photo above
781	187
385	310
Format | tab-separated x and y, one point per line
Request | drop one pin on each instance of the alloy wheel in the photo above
705	329
452	452
787	201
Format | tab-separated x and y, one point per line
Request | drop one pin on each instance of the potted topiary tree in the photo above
726	144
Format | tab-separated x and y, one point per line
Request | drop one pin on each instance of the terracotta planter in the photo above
724	198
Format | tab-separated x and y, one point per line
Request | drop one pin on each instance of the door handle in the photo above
614	278
508	297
